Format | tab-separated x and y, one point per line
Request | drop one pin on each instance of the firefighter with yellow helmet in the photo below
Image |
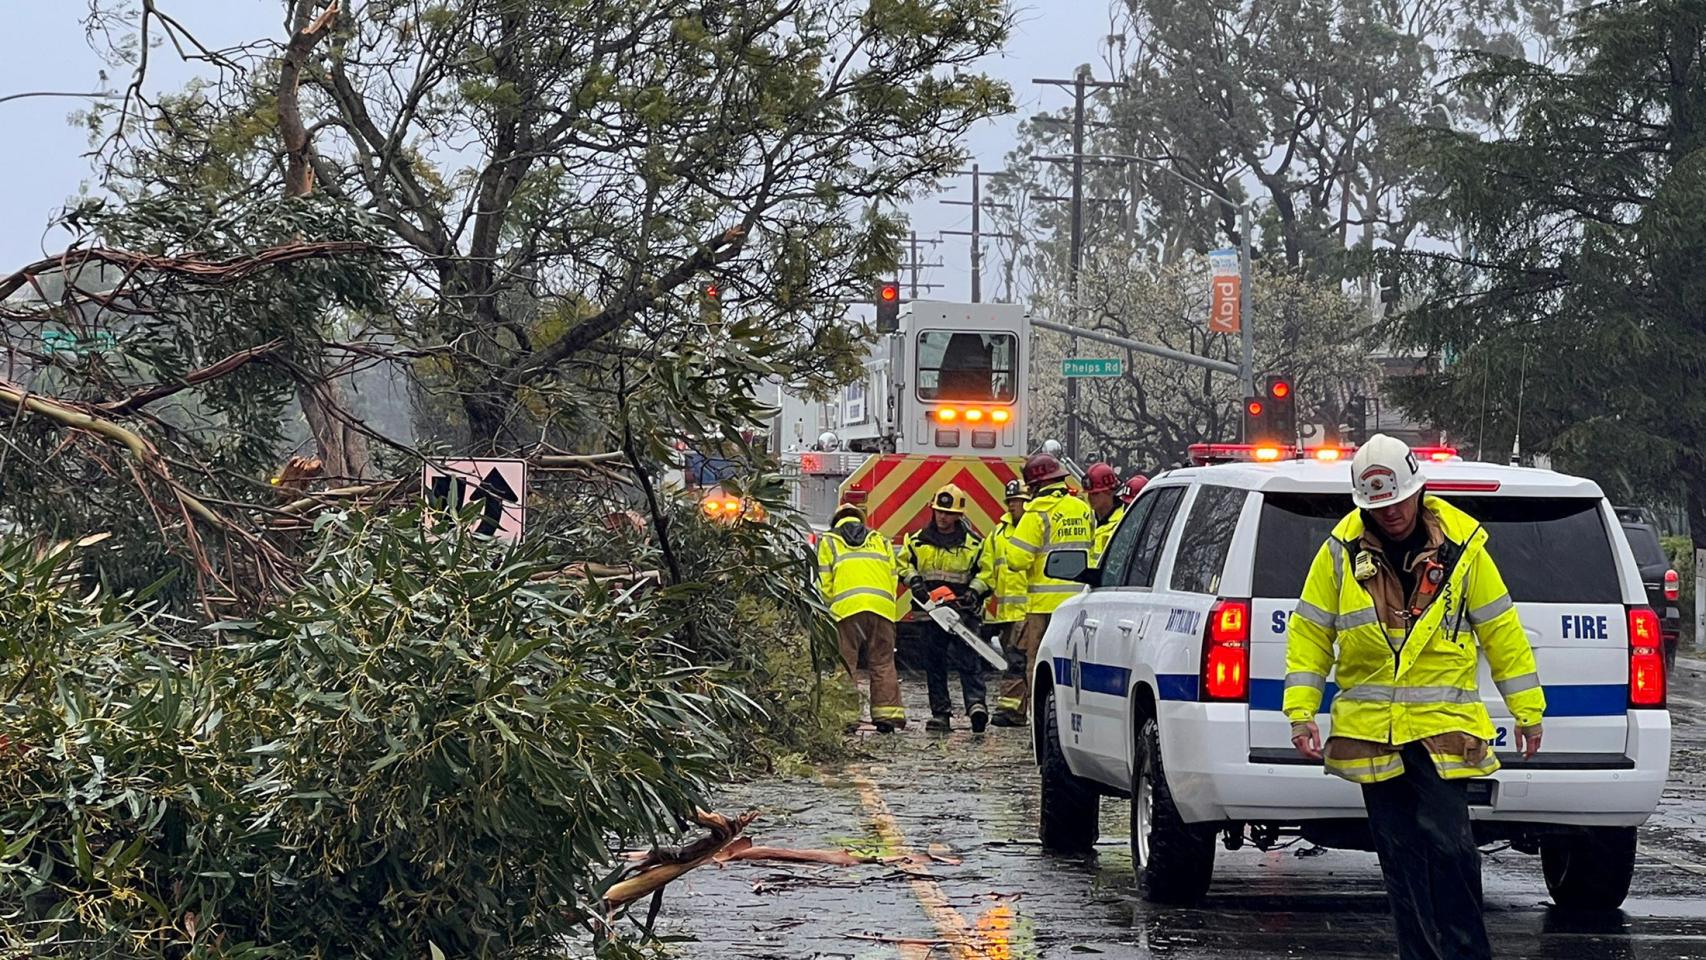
943	560
1007	608
1406	590
1056	519
856	572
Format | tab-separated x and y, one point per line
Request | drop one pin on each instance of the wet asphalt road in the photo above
972	799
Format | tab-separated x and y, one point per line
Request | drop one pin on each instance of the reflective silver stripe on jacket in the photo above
946	576
1010	600
1337	551
1022	545
1071	545
1365	617
1514	685
1387	693
1314	614
861	592
865	555
1490	610
1306	678
1056	588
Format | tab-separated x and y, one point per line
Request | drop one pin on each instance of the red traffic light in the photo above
1253	408
712	291
1279	389
889	292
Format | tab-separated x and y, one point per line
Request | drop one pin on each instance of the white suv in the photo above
1163	682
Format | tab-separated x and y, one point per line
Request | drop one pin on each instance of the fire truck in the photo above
944	400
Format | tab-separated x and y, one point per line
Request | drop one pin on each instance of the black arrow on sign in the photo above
495	491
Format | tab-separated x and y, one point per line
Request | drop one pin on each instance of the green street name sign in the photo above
1092	367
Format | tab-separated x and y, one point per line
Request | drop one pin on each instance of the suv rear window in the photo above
1644	540
1549	550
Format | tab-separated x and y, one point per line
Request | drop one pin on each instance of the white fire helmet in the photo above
1384	472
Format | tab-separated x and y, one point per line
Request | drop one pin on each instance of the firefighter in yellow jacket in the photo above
946	553
1101	486
1407	590
1007	608
856	572
1056	519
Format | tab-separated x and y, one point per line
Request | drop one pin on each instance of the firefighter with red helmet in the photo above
1055	520
1101	485
1133	487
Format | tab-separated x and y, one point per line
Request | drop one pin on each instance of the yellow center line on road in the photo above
963	940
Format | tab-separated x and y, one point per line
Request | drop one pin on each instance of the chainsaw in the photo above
946	617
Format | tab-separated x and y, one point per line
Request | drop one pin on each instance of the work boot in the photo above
979	717
939	724
1008	720
883	726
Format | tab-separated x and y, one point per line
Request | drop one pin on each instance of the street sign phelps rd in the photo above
1092	367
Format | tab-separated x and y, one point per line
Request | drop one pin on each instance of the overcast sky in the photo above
45	163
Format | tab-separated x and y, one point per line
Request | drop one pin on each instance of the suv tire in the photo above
1070	803
1174	860
1591	869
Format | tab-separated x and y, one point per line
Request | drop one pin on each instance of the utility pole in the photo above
1080	84
978	205
915	264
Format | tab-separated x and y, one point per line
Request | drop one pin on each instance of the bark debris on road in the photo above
976	886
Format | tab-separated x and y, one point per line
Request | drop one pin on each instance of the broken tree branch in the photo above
662	865
231	364
298	148
200	269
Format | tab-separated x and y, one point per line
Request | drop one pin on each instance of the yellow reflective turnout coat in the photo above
1054	520
943	559
1104	533
1010	585
1397	685
856	571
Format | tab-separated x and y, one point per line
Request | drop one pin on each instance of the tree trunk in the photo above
324	402
1696	502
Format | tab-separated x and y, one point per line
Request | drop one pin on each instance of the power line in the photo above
978	205
1081	84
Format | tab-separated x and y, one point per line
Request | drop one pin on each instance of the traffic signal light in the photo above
1255	419
888	306
711	303
1281	409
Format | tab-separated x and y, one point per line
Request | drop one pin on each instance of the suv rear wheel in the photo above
1589	870
1174	860
1069	802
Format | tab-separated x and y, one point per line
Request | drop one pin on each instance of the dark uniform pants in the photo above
944	652
1429	859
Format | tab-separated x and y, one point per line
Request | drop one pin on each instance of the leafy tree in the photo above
1146	419
1299	105
1585	224
560	177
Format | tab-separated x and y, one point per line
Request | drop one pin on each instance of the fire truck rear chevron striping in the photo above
944	400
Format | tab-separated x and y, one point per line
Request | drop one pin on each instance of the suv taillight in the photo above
1646	659
1673	585
1226	651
